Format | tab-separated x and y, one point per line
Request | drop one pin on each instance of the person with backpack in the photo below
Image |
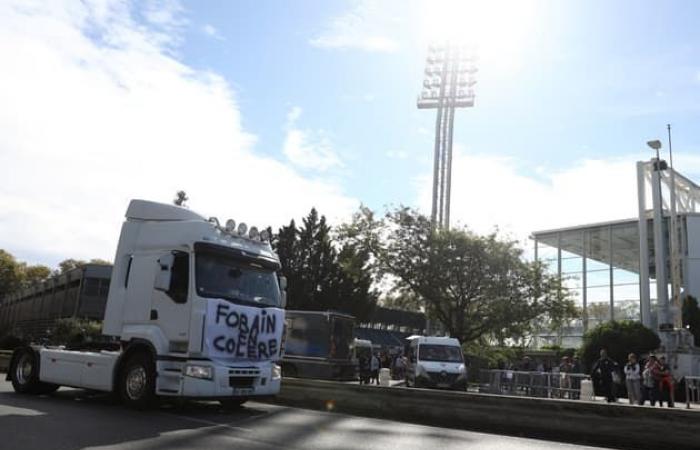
632	379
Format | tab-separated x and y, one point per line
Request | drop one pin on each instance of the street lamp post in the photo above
659	241
675	245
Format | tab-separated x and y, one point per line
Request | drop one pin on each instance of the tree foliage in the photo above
691	317
475	286
71	331
69	264
15	275
323	273
620	339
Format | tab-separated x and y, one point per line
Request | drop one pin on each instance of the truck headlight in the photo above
276	372
462	371
203	372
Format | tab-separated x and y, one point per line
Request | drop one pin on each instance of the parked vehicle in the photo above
195	308
318	345
435	362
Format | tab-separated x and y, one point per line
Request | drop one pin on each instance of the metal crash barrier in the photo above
532	384
692	391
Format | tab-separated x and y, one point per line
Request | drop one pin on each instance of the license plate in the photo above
242	391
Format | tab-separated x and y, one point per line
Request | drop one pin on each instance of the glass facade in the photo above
599	266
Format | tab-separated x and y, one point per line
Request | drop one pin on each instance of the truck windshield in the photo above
222	276
442	353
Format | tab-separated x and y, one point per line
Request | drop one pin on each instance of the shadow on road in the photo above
73	419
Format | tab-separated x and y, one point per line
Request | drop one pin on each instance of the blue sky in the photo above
598	79
262	109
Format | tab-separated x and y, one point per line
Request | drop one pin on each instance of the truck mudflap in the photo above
209	379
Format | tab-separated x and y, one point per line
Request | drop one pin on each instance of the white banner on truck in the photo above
243	332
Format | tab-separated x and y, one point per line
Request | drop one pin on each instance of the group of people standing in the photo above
369	366
647	380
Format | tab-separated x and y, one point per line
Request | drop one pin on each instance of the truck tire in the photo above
137	381
232	404
24	372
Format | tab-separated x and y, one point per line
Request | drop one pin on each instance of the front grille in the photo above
241	382
443	377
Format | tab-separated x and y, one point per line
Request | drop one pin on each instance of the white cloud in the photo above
361	28
489	192
308	149
211	31
94	111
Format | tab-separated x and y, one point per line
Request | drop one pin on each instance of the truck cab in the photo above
435	362
197	308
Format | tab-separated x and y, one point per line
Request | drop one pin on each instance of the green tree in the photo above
15	275
620	339
319	276
475	286
69	264
35	274
691	317
11	273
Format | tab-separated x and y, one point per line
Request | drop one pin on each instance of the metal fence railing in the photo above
692	391
532	384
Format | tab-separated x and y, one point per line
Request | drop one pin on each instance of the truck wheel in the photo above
24	372
137	381
232	404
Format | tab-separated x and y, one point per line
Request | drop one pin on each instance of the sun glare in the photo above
498	29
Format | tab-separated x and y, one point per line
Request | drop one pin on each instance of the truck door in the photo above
170	308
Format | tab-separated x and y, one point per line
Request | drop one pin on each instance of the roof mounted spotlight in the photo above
242	228
215	221
230	226
254	233
265	236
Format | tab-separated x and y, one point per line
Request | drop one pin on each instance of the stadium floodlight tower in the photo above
449	78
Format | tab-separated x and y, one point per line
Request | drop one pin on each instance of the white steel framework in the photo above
447	85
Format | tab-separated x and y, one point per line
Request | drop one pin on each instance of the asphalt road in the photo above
74	419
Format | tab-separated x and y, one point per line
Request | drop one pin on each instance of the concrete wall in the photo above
569	421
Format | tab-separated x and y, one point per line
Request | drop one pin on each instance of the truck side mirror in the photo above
163	274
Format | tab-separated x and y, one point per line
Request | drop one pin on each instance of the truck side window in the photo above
180	277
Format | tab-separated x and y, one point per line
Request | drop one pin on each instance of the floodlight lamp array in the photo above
241	230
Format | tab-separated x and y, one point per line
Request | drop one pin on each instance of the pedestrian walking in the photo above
632	379
576	369
565	379
374	364
364	369
649	384
665	379
604	370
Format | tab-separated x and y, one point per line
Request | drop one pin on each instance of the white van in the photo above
435	362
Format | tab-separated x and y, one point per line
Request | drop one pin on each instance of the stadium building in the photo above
640	268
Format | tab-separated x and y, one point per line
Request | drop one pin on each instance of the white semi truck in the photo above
197	310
